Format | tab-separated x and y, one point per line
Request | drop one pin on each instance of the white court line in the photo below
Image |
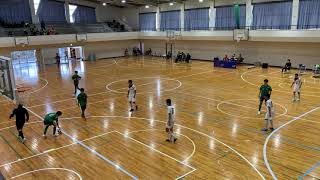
193	144
228	102
91	150
268	138
53	149
287	92
199	132
169	79
46	169
164	154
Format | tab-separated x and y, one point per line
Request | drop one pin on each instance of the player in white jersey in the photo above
269	114
132	91
170	122
296	87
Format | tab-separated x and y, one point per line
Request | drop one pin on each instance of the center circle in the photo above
230	102
123	81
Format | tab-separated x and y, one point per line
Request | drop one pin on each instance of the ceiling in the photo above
132	2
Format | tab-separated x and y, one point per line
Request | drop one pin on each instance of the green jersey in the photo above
51	117
265	90
82	99
76	78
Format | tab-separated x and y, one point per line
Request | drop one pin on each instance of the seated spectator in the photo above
233	57
287	66
148	52
240	58
188	58
226	58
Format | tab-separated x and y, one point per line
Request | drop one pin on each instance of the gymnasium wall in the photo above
274	53
128	15
109	49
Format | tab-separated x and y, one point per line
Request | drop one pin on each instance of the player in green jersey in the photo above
51	119
82	102
265	90
76	78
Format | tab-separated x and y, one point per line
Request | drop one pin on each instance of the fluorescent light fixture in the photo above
123	1
104	4
201	1
147	6
171	4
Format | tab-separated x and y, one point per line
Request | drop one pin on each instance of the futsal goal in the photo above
7	82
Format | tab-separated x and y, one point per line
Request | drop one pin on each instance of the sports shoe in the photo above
298	99
167	140
293	100
131	110
271	129
259	112
23	140
175	139
264	129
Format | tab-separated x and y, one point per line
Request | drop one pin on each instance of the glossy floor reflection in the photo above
217	125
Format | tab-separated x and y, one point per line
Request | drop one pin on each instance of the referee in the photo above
22	116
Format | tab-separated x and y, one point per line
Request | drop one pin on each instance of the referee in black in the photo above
22	116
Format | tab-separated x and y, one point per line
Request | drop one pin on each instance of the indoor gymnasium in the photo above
160	89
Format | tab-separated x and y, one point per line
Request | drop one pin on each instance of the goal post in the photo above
7	81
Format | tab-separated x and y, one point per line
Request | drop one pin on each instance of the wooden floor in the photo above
216	117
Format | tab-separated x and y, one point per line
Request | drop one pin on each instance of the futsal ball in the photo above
59	131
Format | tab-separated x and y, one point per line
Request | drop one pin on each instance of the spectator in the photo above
287	66
226	58
188	58
240	58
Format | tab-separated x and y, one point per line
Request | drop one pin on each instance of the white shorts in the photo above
132	99
296	89
267	117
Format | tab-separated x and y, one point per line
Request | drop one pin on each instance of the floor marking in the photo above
164	154
273	132
193	144
228	102
287	92
116	91
199	132
46	169
91	150
309	171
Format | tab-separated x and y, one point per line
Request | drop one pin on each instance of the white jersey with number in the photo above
269	104
297	85
132	93
170	121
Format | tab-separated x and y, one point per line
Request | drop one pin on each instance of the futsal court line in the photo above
198	132
46	169
193	144
125	117
309	171
287	92
91	150
164	154
273	132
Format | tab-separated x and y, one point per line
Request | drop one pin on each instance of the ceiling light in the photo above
123	1
201	1
104	4
147	6
171	4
